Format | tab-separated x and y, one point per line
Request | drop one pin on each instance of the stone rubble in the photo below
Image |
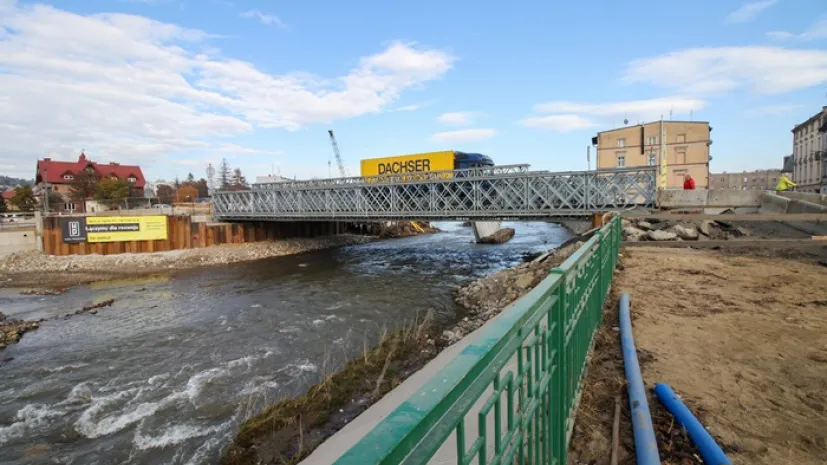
676	230
485	298
12	330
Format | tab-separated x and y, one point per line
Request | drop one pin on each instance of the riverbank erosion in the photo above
291	429
35	269
741	339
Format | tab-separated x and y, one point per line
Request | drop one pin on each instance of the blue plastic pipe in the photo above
709	449
646	447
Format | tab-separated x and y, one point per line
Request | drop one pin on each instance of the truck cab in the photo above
464	161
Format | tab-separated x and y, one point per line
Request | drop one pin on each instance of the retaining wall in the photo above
17	240
715	198
184	233
775	203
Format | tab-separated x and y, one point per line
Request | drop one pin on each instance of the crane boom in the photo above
342	171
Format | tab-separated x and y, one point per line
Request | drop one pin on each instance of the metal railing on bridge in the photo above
503	192
511	395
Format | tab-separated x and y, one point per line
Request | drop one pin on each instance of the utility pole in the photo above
46	191
589	157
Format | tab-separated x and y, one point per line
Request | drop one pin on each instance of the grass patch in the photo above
289	430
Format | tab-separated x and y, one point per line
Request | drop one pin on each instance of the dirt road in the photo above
742	339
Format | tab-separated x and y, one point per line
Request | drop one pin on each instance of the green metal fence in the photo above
510	396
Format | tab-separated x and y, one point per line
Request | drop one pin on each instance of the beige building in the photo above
686	143
809	147
762	180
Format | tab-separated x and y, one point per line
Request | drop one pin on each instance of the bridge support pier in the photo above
484	228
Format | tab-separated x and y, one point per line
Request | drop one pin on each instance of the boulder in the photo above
524	281
644	225
661	235
687	234
633	234
501	236
705	227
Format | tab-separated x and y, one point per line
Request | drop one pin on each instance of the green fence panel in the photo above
516	384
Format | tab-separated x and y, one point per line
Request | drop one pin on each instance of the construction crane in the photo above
342	171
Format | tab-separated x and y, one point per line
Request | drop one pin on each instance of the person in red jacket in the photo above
688	183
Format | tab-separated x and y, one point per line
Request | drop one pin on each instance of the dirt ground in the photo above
742	340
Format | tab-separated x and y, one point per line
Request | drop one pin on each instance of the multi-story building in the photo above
809	147
60	176
763	180
686	147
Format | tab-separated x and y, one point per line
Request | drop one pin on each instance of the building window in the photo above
621	142
69	207
652	158
722	180
132	179
621	159
746	179
774	180
653	140
681	138
68	177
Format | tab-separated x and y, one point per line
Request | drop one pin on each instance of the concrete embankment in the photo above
35	269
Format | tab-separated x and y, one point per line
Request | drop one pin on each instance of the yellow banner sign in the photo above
125	228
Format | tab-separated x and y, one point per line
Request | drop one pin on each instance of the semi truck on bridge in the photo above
447	160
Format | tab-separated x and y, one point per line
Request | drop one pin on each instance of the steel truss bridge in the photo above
495	193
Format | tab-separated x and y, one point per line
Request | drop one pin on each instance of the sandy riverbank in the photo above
36	270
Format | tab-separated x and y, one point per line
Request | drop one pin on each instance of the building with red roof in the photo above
60	175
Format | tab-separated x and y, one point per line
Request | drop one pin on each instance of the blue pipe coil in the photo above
709	449
646	447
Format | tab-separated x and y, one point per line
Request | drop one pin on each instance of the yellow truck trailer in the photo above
414	163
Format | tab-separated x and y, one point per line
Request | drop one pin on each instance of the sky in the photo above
173	85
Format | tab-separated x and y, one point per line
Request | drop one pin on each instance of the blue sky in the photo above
174	85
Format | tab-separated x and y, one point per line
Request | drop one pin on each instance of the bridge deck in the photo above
506	192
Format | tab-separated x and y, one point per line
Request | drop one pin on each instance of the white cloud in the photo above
773	110
572	116
464	135
130	89
749	11
558	123
817	31
264	18
634	110
457	118
765	70
414	106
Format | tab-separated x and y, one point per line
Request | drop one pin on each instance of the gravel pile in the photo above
37	262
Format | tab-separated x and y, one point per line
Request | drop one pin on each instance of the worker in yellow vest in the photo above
784	184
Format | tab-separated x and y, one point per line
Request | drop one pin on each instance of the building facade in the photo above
762	180
59	176
686	147
809	147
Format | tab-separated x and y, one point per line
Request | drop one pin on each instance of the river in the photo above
167	373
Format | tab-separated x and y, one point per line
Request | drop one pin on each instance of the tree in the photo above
186	194
83	186
112	192
3	207
176	183
224	174
238	179
165	194
202	187
23	199
190	178
55	200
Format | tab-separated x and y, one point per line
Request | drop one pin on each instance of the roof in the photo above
7	195
665	122
810	119
53	171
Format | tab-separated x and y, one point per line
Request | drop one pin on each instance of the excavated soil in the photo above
743	341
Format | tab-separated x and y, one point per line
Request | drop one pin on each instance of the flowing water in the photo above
166	374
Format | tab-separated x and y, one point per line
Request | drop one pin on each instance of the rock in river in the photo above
502	236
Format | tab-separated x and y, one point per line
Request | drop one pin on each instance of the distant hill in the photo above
11	182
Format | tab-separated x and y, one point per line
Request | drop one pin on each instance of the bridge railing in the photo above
467	194
511	395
